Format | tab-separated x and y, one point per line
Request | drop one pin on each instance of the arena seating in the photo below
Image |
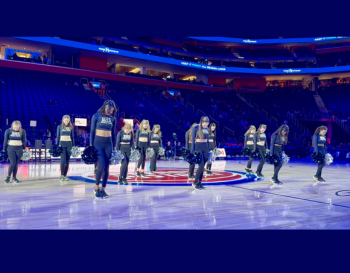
333	59
26	94
278	102
337	100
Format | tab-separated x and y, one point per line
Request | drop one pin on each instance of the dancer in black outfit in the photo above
188	144
261	146
212	143
103	138
155	143
125	141
278	140
319	143
15	141
65	139
249	142
142	143
200	143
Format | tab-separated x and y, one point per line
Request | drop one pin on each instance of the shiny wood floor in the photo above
40	201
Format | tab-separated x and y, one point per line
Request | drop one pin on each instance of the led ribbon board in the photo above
164	60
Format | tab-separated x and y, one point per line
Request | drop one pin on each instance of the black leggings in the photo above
155	147
203	148
191	169
277	150
142	161
211	148
262	151
125	149
322	151
14	153
249	164
104	154
65	156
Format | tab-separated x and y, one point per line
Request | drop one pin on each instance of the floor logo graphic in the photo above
174	177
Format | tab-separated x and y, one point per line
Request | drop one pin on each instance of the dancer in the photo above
188	138
15	141
142	143
249	142
125	141
318	142
278	140
103	138
261	146
212	143
65	139
200	143
155	143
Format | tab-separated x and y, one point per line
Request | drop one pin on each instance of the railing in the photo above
274	120
257	107
243	98
200	112
228	130
162	114
241	138
217	123
298	124
136	117
103	81
341	124
264	113
249	101
87	80
190	105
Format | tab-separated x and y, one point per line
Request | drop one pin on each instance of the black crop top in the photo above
249	137
64	132
317	139
155	137
106	123
124	137
275	140
14	135
141	134
261	137
212	136
195	136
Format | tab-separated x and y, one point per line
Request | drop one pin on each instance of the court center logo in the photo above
175	177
